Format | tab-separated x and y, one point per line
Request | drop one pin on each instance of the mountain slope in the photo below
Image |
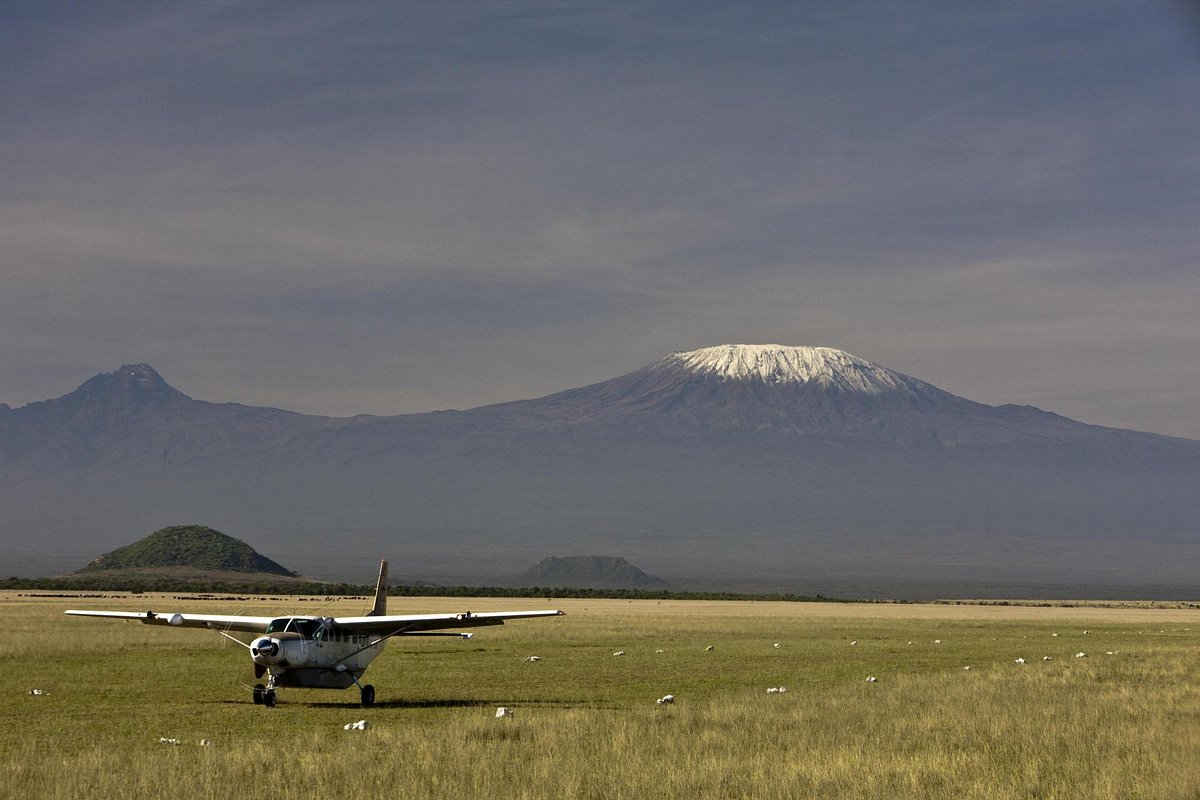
758	461
801	391
132	417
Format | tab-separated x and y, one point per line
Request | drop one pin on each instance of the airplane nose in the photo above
265	650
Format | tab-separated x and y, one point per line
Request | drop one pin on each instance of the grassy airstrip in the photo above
585	723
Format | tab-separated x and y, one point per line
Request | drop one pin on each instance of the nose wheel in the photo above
265	695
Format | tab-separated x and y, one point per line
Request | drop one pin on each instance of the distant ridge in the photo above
589	572
733	463
189	546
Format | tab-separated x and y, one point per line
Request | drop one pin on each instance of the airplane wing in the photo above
216	621
416	623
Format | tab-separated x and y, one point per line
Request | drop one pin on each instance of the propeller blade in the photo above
259	670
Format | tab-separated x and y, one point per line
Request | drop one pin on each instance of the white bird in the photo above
666	700
777	644
534	658
872	679
361	725
853	643
205	742
709	649
619	653
1054	635
1081	655
38	692
503	711
937	641
1019	661
165	740
967	667
660	651
1046	658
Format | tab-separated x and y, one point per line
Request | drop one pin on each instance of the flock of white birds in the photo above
669	699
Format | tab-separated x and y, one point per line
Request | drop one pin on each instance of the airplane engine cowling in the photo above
272	652
266	650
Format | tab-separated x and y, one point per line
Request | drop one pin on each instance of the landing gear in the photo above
366	693
265	695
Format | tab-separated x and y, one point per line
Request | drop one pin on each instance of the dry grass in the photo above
586	725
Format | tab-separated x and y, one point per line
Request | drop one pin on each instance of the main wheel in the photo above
259	689
368	696
269	698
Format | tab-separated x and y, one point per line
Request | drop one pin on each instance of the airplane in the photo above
321	652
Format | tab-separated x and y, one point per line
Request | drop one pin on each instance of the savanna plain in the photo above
1122	721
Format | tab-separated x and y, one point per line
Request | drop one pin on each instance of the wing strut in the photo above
230	638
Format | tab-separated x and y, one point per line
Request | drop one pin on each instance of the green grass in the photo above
586	724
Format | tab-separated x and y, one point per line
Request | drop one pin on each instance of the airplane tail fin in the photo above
380	608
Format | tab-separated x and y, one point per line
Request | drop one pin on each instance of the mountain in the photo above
131	418
588	572
791	391
765	464
192	546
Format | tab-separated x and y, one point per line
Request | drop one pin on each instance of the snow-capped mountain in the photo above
781	364
748	461
745	387
795	391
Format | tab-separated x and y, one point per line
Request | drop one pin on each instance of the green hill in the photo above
192	546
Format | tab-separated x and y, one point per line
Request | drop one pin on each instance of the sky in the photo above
343	208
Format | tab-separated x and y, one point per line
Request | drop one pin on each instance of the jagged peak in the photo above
140	372
783	364
132	383
138	375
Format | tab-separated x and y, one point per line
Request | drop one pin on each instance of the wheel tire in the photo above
269	698
259	689
368	696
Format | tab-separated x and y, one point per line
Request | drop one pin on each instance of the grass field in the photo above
585	723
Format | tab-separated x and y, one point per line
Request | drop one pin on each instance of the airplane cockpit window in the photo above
307	628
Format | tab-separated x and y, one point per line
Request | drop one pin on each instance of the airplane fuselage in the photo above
311	652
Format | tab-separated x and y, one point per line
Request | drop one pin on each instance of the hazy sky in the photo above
390	207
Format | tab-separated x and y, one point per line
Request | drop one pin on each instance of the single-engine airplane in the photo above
321	652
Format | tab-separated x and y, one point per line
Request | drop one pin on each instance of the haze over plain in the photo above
395	208
777	468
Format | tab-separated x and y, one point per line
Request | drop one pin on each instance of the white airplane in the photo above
321	652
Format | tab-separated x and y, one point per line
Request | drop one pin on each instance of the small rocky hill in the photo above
191	547
589	572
